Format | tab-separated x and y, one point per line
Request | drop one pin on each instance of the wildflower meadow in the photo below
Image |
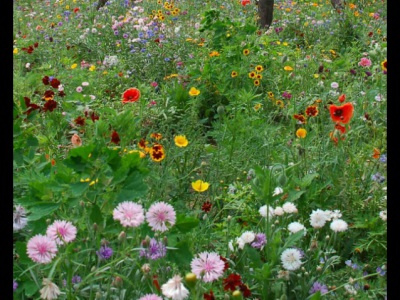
176	149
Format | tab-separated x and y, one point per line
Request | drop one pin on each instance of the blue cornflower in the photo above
167	59
104	252
380	271
318	287
76	279
383	158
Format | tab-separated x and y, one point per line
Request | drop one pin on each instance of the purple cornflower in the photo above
155	250
383	158
125	35
15	285
318	287
259	241
378	177
368	73
116	32
104	252
76	279
380	271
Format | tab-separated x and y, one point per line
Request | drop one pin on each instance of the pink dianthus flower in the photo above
41	249
208	266
160	216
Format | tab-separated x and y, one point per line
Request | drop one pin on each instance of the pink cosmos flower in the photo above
129	214
160	216
208	266
365	62
41	249
61	232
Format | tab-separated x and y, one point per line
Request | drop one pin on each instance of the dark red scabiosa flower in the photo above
36	45
115	137
50	105
31	106
320	69
131	95
28	50
367	117
312	111
80	121
48	95
232	281
342	114
55	83
206	207
61	94
301	118
226	266
209	296
245	290
94	116
46	80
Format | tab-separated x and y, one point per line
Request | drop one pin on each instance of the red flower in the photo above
245	2
46	80
231	282
342	114
342	98
36	45
31	106
209	296
61	94
312	111
302	119
115	137
49	105
76	9
341	128
206	207
226	266
79	121
155	282
245	290
93	116
55	83
131	95
48	95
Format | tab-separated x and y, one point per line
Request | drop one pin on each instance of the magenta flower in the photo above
160	216
41	249
365	62
208	266
61	232
129	214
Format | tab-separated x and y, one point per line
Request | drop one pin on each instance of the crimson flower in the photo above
232	281
46	80
206	207
49	105
209	296
245	290
79	121
131	95
115	137
226	266
55	83
342	114
31	106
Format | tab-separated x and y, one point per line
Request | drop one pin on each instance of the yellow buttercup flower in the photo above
200	186
301	133
288	68
194	92
74	66
15	51
181	141
92	68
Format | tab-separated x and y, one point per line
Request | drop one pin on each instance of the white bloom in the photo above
379	97
50	290
383	215
230	246
291	259
60	88
278	190
278	211
339	225
264	209
289	208
174	289
336	214
318	218
295	227
240	243
328	214
334	85
349	289
28	65
85	83
110	61
94	30
19	218
248	237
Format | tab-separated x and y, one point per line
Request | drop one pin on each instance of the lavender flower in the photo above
15	285
104	252
259	241
155	250
383	158
378	177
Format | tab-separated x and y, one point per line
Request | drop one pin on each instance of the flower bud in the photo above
237	295
117	282
145	268
221	110
191	279
122	236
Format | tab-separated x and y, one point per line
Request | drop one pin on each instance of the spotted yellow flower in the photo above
301	133
280	103
246	52
157	152
256	82
288	68
252	74
181	141
66	6
259	68
200	186
194	92
259	76
270	95
234	74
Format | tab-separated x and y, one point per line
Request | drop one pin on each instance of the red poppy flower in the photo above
231	282
76	9
115	137
342	98
49	105
245	2
341	128
342	114
131	95
206	207
209	296
302	119
79	121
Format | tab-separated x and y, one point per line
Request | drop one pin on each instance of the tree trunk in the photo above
265	12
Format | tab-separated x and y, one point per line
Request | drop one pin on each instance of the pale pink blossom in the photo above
208	266
161	216
364	62
61	232
129	214
41	249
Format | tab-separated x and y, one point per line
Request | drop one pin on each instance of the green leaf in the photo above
181	256
294	195
134	187
95	215
79	188
185	224
32	141
292	239
40	210
20	249
315	296
306	180
30	288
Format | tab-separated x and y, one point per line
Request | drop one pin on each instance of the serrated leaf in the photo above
182	256
78	188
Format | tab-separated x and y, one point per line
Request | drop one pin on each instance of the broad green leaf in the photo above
294	195
182	255
315	296
78	188
306	180
185	224
30	288
95	215
40	210
20	249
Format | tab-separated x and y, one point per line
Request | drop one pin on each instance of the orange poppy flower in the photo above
131	95
342	114
376	154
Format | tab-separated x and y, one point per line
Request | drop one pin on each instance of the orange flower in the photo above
342	114
157	136
376	154
131	95
157	152
342	98
312	111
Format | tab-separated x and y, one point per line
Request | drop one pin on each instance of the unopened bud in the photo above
117	282
146	268
95	226
191	279
122	236
237	295
319	268
82	203
221	110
